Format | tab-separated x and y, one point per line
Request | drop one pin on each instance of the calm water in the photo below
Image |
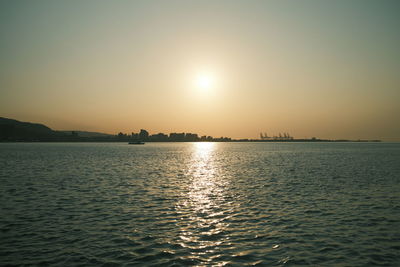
178	204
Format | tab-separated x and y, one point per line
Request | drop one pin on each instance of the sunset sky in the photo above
329	69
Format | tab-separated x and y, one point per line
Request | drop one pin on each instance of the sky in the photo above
326	69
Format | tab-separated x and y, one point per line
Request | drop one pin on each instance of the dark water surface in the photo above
178	204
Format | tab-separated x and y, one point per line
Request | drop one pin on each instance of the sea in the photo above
200	204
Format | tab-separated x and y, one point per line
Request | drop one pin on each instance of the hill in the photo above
14	130
86	134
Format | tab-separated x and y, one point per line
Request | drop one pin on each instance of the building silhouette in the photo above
143	135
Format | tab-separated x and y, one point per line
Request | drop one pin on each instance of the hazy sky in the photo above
329	69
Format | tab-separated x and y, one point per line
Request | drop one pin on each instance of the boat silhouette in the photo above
136	143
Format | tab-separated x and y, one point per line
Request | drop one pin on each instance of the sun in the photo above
205	81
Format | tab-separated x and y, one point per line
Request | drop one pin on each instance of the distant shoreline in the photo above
16	131
231	141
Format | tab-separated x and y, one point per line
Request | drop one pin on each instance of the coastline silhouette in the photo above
16	131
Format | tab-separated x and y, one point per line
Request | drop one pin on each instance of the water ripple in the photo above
200	204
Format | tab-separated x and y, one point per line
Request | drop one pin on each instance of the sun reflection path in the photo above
204	208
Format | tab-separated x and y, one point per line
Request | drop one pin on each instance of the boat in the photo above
136	143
